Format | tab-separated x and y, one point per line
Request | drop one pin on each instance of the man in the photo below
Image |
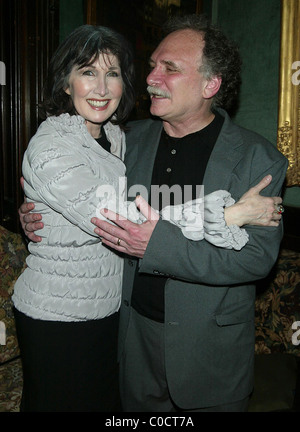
186	338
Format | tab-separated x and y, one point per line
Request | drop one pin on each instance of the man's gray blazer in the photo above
210	292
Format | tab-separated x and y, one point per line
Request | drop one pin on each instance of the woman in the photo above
67	300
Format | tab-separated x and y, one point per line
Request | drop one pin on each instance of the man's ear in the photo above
212	87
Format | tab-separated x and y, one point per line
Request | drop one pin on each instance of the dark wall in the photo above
255	26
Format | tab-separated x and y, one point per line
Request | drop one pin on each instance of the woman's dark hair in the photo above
80	49
220	55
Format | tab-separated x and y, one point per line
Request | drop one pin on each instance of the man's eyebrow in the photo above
165	62
170	63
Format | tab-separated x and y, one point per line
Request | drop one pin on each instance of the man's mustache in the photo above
154	91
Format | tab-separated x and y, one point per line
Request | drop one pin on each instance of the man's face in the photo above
176	85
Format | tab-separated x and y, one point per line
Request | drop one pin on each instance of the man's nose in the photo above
154	78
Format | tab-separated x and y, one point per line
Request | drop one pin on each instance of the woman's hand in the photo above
254	209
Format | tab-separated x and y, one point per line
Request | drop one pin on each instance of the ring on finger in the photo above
279	209
118	241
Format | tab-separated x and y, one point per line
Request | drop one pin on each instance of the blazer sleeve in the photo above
169	253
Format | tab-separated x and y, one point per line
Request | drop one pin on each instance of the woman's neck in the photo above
94	129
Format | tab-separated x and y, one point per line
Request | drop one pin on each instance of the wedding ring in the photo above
119	241
279	209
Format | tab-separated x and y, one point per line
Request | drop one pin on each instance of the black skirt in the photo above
69	366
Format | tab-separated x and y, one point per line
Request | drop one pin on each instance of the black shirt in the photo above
103	141
179	161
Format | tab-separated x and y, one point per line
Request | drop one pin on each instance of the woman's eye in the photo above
113	74
88	73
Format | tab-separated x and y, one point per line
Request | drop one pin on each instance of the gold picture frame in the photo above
288	137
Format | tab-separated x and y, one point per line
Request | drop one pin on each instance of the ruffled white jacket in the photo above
70	276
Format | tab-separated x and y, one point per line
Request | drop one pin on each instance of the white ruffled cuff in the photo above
189	218
215	229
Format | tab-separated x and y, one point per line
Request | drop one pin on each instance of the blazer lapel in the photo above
224	157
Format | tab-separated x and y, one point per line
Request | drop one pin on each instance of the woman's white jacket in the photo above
70	275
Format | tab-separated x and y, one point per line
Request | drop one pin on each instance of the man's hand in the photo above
126	236
30	222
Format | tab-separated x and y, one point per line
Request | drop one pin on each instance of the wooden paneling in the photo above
29	34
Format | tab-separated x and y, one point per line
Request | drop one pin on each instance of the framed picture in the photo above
288	141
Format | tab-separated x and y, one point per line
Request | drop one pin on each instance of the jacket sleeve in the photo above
204	218
169	253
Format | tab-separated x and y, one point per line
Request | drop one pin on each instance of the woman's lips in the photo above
98	104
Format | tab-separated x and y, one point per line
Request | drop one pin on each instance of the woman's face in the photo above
96	91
